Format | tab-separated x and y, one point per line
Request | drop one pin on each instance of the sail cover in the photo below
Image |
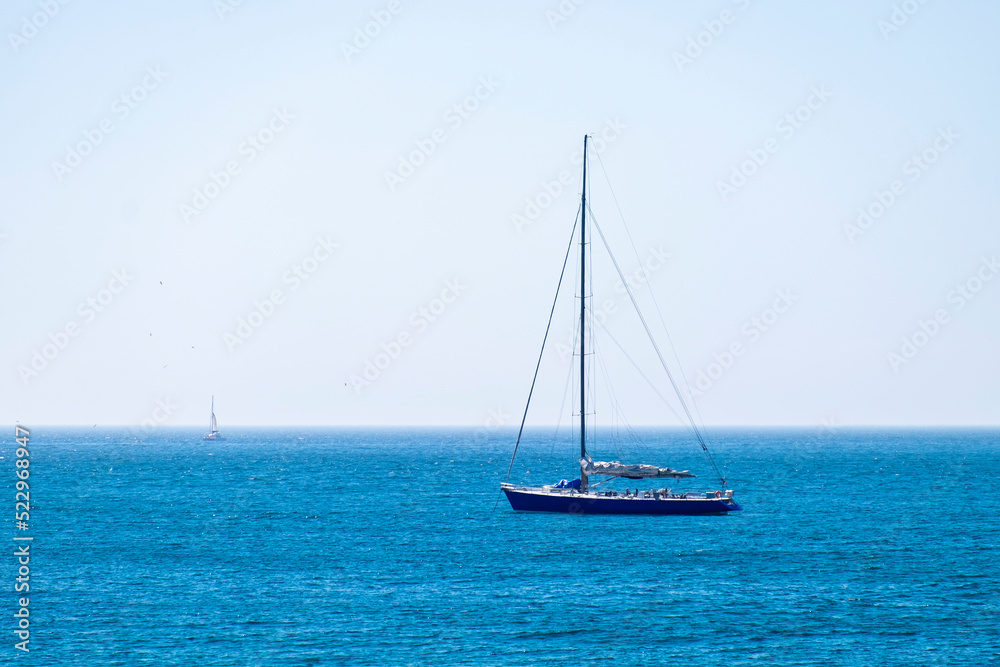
630	470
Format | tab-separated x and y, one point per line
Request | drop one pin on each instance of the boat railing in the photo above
659	494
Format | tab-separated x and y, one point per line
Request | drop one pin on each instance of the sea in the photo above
308	546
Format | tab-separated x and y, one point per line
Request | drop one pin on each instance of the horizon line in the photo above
513	427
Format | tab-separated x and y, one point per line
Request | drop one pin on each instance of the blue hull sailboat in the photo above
579	496
551	499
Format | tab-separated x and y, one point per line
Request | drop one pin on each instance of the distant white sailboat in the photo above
214	435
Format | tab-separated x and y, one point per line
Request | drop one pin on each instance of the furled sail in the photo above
630	470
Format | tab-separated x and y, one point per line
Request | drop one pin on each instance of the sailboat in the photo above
580	496
214	435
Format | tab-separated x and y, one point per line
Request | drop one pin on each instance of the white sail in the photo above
630	470
215	426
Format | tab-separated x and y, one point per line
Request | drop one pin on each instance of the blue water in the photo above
326	547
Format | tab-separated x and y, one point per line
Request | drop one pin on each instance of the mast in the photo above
583	321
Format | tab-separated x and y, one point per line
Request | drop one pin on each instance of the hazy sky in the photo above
185	165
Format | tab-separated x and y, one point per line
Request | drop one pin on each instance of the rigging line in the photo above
562	406
616	404
636	439
615	407
656	347
649	334
648	381
637	443
618	412
656	305
592	362
541	352
603	481
601	369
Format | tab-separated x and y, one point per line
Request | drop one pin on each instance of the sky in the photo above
356	213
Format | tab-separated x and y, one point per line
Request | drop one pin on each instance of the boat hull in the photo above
542	500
